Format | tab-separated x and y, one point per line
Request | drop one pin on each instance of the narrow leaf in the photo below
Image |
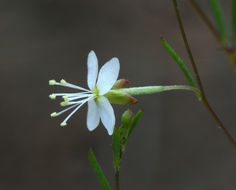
234	20
218	16
116	148
98	171
179	61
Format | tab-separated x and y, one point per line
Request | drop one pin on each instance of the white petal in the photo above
92	64
93	117
106	113
108	75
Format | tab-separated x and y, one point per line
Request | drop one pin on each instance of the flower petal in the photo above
106	113
108	75
93	117
92	64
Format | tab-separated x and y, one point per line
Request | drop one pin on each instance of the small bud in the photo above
53	114
127	118
52	97
63	82
64	103
51	82
63	124
121	83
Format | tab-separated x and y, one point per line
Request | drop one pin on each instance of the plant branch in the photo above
205	20
204	99
228	50
117	179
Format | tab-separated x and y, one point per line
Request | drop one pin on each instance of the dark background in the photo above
176	145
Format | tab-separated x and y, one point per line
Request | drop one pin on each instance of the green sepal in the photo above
98	171
116	97
116	148
121	83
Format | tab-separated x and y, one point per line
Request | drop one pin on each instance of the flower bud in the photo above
121	83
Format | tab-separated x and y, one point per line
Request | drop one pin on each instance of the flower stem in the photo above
156	89
117	179
204	99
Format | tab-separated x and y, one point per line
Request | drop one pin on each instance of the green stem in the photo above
117	179
156	89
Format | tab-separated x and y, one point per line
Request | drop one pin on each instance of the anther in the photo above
63	124
65	98
63	82
64	103
52	97
53	114
51	82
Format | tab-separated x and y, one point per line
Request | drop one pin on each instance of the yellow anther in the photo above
53	114
52	97
63	124
64	103
51	82
65	98
63	81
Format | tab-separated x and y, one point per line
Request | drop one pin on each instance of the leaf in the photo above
116	148
98	171
218	16
234	20
179	61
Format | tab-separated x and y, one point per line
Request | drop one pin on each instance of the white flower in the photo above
99	84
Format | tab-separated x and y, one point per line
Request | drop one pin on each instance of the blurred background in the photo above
176	145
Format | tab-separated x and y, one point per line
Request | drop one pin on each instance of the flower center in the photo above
96	93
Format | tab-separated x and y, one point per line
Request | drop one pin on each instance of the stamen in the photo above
79	96
65	110
68	117
70	94
66	84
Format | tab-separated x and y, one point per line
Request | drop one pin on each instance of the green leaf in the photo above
218	16
234	20
179	61
98	171
116	148
134	122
